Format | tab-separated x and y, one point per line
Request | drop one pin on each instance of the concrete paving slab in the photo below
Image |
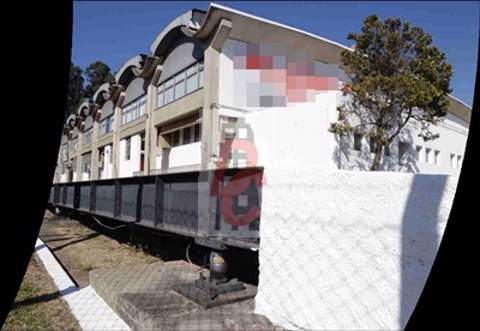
143	296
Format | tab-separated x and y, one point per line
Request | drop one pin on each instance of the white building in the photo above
171	110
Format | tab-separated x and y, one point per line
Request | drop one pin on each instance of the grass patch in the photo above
26	317
87	267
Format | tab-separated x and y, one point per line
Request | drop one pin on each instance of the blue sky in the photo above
113	32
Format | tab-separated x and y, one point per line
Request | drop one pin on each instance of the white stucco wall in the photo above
452	139
185	155
128	167
181	156
297	133
343	250
107	169
293	134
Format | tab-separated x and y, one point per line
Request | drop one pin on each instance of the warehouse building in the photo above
222	74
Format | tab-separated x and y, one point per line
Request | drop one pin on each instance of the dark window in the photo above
357	141
175	138
187	135
387	150
197	133
128	148
372	145
403	148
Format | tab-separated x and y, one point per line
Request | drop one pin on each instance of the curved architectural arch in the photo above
189	21
130	70
102	94
71	121
84	109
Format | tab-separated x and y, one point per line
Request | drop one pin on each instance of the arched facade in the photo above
207	71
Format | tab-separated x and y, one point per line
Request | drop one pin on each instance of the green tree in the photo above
396	77
97	73
75	89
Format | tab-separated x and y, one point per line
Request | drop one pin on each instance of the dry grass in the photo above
81	249
37	305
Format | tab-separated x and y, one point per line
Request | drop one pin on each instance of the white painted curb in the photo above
86	305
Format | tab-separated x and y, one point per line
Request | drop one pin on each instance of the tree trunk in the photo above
377	158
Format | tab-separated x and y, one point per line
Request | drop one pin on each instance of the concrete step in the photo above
144	298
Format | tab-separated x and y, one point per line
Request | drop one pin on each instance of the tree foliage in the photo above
396	76
96	74
75	89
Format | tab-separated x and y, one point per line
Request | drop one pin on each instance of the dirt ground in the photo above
81	249
38	305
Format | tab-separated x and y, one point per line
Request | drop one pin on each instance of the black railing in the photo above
196	204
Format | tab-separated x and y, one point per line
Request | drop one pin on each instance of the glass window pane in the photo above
192	83
180	77
160	99
200	79
192	71
180	89
187	135
175	138
169	95
197	132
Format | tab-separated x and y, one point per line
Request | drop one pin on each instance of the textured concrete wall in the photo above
348	250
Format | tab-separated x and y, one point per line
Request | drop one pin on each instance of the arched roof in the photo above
130	70
102	94
71	120
191	20
84	109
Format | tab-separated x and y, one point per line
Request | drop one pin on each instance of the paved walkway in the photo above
86	305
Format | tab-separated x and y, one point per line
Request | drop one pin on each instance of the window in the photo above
87	137
186	81
180	85
196	133
200	74
187	135
160	96
419	154
101	155
357	141
175	138
453	161
111	154
459	161
142	107
74	145
403	148
372	145
428	152
65	152
134	110
192	79
183	136
106	125
437	157
168	93
387	150
128	147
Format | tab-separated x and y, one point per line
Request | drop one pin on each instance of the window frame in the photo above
128	148
164	89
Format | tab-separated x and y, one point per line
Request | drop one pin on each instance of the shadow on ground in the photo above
243	263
